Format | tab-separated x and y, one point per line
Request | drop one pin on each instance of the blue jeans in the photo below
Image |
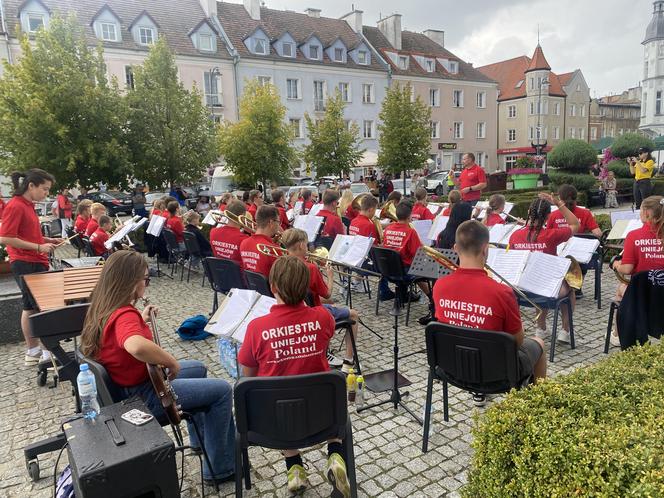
210	401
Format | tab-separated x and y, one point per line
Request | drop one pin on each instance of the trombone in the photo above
245	223
317	257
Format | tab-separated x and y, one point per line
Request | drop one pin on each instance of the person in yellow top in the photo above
642	168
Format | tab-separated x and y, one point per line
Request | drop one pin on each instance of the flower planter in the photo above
525	181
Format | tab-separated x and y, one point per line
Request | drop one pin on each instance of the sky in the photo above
602	38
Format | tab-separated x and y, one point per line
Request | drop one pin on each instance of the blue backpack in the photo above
193	329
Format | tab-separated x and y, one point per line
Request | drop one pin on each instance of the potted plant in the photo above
4	260
525	174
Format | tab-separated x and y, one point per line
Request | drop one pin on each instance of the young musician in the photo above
226	239
454	197
100	236
117	335
461	211
307	202
333	225
174	222
267	226
346	205
96	210
266	356
245	199
495	209
226	198
63	205
278	198
536	236
82	216
296	242
28	249
255	201
494	308
158	208
192	221
587	223
420	209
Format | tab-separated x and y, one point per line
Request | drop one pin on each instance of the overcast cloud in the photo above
602	38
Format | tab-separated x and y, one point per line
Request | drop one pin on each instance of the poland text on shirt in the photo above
250	258
463	313
290	348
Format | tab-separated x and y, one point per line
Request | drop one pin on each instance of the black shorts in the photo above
20	268
529	353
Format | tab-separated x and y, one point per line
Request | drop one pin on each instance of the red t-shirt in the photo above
494	219
176	226
252	259
64	206
290	340
643	249
97	240
402	238
2	207
157	212
469	178
283	218
547	240
225	242
333	224
587	221
21	222
446	211
317	285
306	206
351	213
252	211
362	225
421	212
81	224
458	302
92	227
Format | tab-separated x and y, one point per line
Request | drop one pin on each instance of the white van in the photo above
222	181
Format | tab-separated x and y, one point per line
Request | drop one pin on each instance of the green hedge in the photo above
628	145
596	432
658	186
582	182
572	155
620	168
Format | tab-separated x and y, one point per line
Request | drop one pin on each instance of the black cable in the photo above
55	471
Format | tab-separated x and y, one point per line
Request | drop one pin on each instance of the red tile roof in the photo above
565	78
538	60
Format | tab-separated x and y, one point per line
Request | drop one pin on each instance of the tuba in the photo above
389	211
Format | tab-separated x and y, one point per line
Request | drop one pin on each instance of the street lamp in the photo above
211	99
539	146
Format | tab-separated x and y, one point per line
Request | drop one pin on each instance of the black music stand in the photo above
349	298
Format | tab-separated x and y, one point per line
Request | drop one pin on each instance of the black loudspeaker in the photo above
112	458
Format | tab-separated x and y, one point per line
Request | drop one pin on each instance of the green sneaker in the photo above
336	475
297	479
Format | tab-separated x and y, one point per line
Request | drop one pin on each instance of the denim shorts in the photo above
337	312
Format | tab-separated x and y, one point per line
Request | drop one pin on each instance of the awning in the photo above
370	158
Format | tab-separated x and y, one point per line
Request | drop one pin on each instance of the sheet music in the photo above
351	250
500	234
434	208
509	264
298	208
437	226
139	223
290	214
623	227
232	312
212	217
156	225
310	224
260	308
544	274
579	248
315	209
119	235
624	215
423	227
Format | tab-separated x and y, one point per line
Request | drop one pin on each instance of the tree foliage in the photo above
171	135
334	149
58	112
258	148
627	145
405	133
572	155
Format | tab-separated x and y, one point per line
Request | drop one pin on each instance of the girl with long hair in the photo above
117	335
346	205
461	211
587	223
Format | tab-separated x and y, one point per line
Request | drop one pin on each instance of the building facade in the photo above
537	108
652	109
614	115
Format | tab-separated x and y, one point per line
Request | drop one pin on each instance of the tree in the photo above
627	145
572	155
58	112
334	148
405	131
171	135
258	148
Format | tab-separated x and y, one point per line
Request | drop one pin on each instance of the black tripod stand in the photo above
349	302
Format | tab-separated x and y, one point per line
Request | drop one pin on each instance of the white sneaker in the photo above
614	340
45	355
32	359
334	361
563	336
542	333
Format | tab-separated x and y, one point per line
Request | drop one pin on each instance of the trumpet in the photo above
245	223
317	257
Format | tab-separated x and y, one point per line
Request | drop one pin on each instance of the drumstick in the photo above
67	240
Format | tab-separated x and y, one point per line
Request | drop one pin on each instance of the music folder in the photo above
156	225
579	248
438	225
423	228
235	313
350	250
211	219
310	224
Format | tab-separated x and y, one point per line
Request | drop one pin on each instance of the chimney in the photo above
391	28
354	19
312	12
253	7
436	35
209	7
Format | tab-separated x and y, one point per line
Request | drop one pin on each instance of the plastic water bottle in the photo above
351	385
359	395
87	391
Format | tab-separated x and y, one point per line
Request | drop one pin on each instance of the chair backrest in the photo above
224	274
473	359
346	222
171	241
325	242
108	392
191	243
62	323
77	241
388	263
290	412
258	282
87	247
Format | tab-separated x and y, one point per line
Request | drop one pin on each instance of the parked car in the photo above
398	185
437	181
115	202
150	197
359	188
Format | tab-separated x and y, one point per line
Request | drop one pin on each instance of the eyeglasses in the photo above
146	280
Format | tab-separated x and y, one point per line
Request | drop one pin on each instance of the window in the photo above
319	95
556	108
403	62
260	46
35	21
479	159
556	133
264	80
367	93
582	133
658	102
145	35
430	65
205	42
339	54
620	131
434	97
572	132
531	108
108	32
593	134
292	89
435	129
362	57
511	111
412	94
313	52
368	129
519	83
457	98
454	67
287	49
511	135
344	90
510	162
481	129
129	78
296	124
583	111
572	110
531	133
211	83
532	83
347	124
481	100
644	104
457	129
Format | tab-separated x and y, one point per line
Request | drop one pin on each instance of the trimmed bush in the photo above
658	186
596	432
620	168
583	183
625	184
628	145
572	155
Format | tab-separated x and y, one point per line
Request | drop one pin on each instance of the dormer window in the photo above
287	49
313	52
518	85
454	67
403	62
205	42
146	35
430	65
35	21
338	54
362	57
108	31
260	46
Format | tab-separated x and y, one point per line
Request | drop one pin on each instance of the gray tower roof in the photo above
655	30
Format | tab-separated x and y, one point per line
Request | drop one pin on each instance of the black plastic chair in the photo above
258	282
77	242
87	247
108	392
298	411
194	251
615	304
474	360
175	254
224	275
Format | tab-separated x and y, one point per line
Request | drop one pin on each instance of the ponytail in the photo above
537	214
654	207
22	180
